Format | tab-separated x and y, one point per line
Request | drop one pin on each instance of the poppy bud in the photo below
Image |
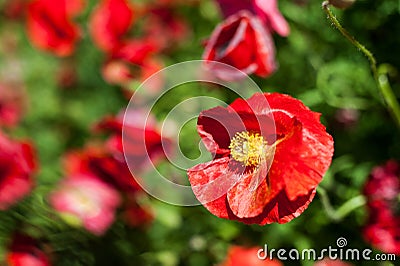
341	3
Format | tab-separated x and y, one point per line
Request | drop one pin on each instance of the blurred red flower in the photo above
49	25
24	251
143	139
84	200
109	23
15	9
97	162
242	256
266	10
135	213
242	42
17	163
164	27
133	60
382	191
12	104
236	184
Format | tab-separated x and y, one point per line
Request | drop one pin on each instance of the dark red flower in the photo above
25	251
96	161
135	212
266	10
242	256
109	23
132	60
163	27
135	51
382	191
243	42
17	163
12	103
143	140
15	9
50	27
246	139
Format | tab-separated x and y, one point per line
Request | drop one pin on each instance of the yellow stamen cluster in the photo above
247	148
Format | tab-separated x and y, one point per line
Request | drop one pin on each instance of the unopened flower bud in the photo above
341	3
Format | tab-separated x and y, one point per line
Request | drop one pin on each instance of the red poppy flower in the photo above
97	162
135	51
133	60
136	212
164	27
382	191
243	42
142	137
236	184
109	22
84	200
16	169
241	256
25	251
266	10
50	27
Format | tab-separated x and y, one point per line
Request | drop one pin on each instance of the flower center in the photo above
248	148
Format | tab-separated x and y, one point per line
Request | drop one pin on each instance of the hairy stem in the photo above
379	76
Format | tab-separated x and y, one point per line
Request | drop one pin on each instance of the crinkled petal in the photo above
303	155
246	201
279	210
210	183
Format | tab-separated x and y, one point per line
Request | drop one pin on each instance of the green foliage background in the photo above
317	65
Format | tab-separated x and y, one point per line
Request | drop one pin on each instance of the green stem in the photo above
379	76
330	211
351	205
344	210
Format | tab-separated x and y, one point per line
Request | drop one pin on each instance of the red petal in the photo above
135	51
280	210
109	22
304	155
217	126
265	49
49	27
242	42
269	12
210	182
239	48
245	201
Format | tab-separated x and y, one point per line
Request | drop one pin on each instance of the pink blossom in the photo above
86	201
